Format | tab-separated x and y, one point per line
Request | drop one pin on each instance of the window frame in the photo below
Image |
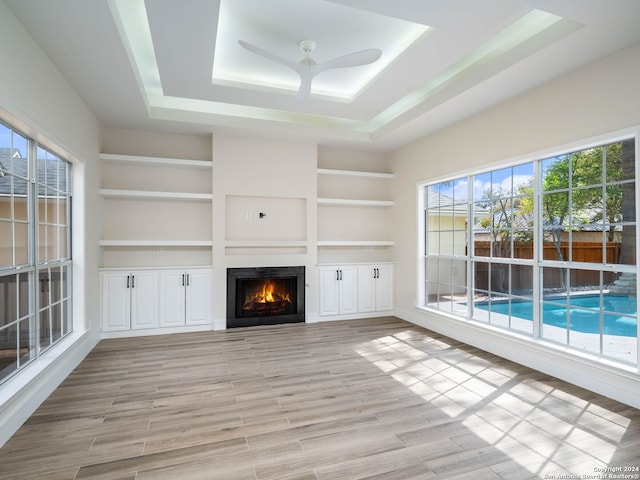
59	308
537	263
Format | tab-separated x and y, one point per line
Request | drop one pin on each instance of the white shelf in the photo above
355	203
356	243
141	194
156	243
355	173
173	162
264	243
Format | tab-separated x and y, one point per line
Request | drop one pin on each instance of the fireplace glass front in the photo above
264	296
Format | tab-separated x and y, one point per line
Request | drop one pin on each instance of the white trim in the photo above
171	162
355	316
156	243
143	194
355	203
157	331
356	243
264	243
355	173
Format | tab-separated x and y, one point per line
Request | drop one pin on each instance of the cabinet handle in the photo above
128	281
187	279
133	281
374	273
340	274
377	273
183	279
337	275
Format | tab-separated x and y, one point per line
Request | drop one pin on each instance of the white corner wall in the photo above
36	98
591	102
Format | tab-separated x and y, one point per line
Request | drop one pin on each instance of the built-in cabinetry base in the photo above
355	290
149	301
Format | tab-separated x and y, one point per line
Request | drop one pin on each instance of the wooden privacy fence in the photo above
521	275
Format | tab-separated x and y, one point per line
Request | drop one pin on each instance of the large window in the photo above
35	256
546	248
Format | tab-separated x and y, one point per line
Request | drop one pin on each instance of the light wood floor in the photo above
374	399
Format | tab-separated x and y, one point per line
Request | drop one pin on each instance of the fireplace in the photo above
264	296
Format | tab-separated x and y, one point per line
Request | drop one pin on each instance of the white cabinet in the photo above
152	298
375	288
359	290
129	300
185	297
338	290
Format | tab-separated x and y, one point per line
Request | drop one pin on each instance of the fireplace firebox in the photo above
265	296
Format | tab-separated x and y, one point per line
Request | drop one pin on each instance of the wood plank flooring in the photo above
360	399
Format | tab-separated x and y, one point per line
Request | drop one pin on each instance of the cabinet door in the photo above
384	288
329	296
172	300
144	299
115	301
348	286
198	297
366	288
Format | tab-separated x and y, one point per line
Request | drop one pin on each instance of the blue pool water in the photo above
619	313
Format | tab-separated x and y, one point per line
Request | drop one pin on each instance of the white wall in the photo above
600	98
35	98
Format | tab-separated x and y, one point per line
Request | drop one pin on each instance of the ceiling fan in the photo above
307	68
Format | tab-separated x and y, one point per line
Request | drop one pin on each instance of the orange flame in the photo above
267	294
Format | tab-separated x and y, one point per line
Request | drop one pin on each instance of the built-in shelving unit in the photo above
153	203
353	210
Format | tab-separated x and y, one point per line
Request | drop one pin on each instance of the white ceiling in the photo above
168	65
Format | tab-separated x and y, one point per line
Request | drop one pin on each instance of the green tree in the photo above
591	186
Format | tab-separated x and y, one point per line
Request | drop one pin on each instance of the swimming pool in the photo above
619	313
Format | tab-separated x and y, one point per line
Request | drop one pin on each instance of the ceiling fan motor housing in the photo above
307	46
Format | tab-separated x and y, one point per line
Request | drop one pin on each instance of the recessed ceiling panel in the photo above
278	26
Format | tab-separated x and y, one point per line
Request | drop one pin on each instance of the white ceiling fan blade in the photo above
364	57
298	67
305	87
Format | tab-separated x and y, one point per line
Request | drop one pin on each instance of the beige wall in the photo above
600	98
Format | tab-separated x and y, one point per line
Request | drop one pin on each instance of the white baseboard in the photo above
156	331
21	395
591	372
355	316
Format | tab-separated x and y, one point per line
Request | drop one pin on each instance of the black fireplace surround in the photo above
265	296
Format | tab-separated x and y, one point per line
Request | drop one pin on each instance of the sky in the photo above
502	179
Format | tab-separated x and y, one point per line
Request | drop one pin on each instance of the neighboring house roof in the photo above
445	203
14	163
